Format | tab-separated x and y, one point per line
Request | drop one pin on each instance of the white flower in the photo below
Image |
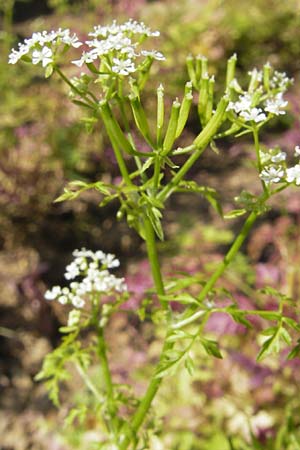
99	31
264	157
138	28
71	40
243	104
78	302
153	54
53	293
86	57
255	115
293	174
118	41
91	268
16	55
261	421
278	157
123	67
72	271
74	317
129	51
280	81
275	104
297	151
63	299
110	261
271	174
43	45
45	56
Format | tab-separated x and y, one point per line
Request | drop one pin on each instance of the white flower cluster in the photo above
114	45
92	269
245	109
257	105
42	47
275	170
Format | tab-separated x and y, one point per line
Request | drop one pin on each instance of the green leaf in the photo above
184	298
148	163
55	370
211	347
238	316
78	413
182	283
271	345
269	331
210	194
235	213
270	315
101	187
292	323
284	334
189	364
154	216
49	71
152	201
178	335
268	290
294	352
67	195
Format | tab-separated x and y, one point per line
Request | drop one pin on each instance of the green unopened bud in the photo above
266	76
256	96
185	108
140	117
172	127
235	86
191	70
203	98
204	64
254	80
198	67
113	129
144	71
210	99
120	214
230	73
160	112
211	128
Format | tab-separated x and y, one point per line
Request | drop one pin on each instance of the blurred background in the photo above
44	143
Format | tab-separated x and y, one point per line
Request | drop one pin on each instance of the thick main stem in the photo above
153	256
201	142
153	387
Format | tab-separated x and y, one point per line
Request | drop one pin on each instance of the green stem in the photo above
144	406
191	314
153	256
117	138
89	383
257	150
200	143
153	387
157	165
111	406
73	87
